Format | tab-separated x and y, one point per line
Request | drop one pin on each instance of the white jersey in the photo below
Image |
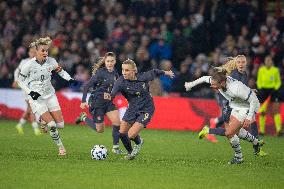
18	69
237	94
37	77
240	96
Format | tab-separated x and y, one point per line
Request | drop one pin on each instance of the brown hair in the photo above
132	63
101	61
219	74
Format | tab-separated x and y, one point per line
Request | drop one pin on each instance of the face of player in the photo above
32	52
241	63
268	62
217	85
110	62
42	52
128	71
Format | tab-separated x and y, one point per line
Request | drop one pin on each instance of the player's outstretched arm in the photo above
92	82
189	85
152	74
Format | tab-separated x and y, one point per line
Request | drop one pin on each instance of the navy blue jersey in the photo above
102	82
137	91
242	77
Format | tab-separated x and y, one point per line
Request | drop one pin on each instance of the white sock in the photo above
54	134
216	120
235	143
35	125
22	121
245	135
115	146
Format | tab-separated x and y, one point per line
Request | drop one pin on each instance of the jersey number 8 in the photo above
41	78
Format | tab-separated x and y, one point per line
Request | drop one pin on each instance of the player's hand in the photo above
247	123
170	73
107	96
73	82
187	86
15	84
34	95
84	105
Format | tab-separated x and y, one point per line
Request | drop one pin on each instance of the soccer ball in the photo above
99	152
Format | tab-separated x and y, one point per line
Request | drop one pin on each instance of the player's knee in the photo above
60	125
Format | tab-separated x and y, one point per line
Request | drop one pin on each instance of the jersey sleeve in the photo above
92	82
204	79
23	76
245	93
58	69
116	87
151	75
277	79
16	74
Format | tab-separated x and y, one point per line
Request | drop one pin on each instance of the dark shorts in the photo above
143	117
99	107
263	94
226	112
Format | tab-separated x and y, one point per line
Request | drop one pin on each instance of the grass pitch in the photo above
168	160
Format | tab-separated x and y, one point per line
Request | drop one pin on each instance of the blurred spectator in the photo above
201	32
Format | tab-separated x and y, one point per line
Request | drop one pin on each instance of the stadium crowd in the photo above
187	36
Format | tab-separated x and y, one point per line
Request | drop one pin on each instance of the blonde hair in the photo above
100	62
132	63
43	41
230	65
32	45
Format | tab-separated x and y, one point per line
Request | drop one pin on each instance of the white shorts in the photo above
41	106
240	115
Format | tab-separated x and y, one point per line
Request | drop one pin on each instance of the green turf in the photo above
168	160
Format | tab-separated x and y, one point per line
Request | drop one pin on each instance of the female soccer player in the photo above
135	88
35	80
244	104
28	114
104	76
268	84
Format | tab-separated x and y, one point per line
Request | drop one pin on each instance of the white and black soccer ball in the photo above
99	152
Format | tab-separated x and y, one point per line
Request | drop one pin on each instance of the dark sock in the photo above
217	131
137	139
254	129
126	142
220	122
91	123
115	134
